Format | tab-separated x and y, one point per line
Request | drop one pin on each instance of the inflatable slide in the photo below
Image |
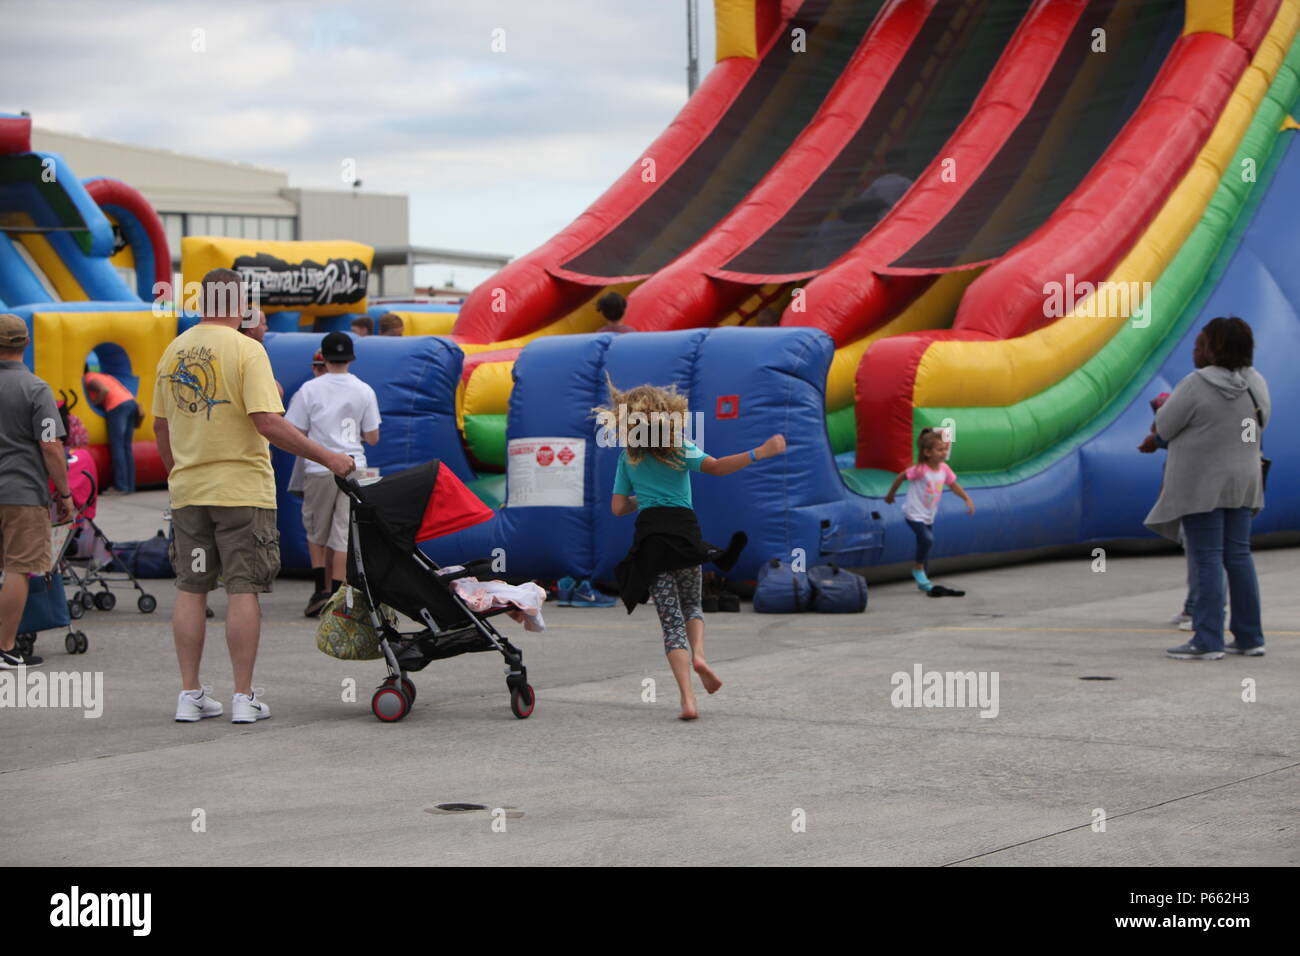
1119	173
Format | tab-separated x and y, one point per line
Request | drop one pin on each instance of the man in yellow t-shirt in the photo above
216	408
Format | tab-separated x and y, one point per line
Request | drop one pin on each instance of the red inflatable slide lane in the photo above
524	296
1086	237
850	299
682	295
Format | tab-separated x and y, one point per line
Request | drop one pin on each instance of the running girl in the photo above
653	479
926	481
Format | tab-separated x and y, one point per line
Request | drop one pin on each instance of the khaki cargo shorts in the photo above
25	539
239	545
325	512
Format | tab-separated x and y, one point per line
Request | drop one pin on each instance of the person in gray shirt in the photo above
31	455
1214	485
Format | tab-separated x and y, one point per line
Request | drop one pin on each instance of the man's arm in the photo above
371	437
273	427
56	465
164	438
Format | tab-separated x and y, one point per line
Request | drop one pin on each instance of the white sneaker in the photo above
249	708
194	705
1185	624
1180	619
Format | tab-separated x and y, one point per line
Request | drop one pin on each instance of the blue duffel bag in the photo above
836	591
47	604
781	589
145	559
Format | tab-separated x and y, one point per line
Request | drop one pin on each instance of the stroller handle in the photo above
349	486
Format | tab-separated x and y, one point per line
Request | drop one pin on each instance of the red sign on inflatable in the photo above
565	455
544	455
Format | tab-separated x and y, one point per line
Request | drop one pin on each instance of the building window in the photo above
284	230
196	225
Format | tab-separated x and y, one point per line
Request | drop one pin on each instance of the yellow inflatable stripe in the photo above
48	261
584	318
1290	123
1208	16
426	323
488	390
736	28
967	374
933	309
62	340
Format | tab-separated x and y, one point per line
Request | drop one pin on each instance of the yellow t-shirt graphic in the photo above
209	380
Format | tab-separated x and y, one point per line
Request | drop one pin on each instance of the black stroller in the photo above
390	517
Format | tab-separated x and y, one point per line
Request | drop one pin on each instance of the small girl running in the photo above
926	479
653	479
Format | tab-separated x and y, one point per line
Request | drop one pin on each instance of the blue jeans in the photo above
121	432
1219	541
1193	589
924	540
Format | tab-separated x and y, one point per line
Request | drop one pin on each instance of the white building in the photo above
208	197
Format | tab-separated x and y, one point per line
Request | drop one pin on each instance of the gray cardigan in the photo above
1210	464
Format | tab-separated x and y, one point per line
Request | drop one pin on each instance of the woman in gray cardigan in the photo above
1213	485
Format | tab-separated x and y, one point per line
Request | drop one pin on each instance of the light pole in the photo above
692	46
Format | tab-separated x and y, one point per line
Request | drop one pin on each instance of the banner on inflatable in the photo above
315	278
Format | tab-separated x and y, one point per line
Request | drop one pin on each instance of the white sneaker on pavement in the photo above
249	708
192	705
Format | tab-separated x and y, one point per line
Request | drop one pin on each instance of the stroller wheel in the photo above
70	643
75	608
106	600
409	687
147	603
522	701
390	704
87	600
83	642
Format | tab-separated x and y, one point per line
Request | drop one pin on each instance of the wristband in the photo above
752	456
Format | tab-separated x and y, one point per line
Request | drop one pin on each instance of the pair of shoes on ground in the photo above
14	659
572	593
192	706
1190	652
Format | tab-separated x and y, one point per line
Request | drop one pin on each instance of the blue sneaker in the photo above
584	595
564	591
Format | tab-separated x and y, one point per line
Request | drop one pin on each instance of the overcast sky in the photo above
497	150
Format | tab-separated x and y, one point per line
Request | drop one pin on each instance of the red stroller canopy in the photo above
421	503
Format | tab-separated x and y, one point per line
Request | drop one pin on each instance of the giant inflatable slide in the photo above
1007	220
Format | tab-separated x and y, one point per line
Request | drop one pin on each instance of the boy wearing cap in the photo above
31	453
339	411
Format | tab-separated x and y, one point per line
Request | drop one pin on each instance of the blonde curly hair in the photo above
666	412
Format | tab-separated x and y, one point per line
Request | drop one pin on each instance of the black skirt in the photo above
667	539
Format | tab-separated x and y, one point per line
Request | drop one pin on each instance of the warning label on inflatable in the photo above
545	472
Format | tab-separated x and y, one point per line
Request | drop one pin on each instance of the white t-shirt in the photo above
924	489
335	410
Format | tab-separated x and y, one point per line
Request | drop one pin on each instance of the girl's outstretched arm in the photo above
732	463
898	480
622	505
960	492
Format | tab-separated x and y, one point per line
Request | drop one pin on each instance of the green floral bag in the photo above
345	630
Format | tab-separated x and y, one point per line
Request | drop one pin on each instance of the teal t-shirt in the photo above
655	484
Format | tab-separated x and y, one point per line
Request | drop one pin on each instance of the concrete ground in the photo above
800	759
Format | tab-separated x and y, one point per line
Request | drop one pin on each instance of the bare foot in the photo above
688	710
710	680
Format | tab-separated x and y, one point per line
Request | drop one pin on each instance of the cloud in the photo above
414	92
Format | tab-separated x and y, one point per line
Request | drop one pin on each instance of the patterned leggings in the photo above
677	599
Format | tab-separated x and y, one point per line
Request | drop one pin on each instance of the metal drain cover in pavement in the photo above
1095	677
460	807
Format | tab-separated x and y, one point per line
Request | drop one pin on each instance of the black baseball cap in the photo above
337	347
